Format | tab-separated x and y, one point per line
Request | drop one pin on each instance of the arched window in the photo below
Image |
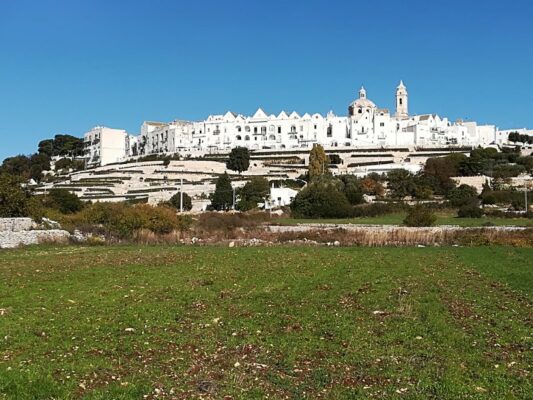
247	128
271	128
360	111
239	137
247	137
293	128
272	137
239	128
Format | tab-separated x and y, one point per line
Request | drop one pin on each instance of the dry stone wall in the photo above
16	232
15	224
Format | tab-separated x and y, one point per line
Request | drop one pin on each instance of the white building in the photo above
502	136
280	197
365	126
104	146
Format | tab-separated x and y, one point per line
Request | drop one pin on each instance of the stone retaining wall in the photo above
383	228
11	239
15	224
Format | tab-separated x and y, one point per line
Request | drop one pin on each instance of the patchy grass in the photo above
251	323
397	219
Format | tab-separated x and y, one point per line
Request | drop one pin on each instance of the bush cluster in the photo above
123	220
322	199
420	216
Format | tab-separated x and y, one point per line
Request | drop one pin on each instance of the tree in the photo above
253	192
175	201
64	201
222	198
13	199
63	163
462	195
352	189
321	199
372	187
335	159
439	170
318	162
401	183
67	145
18	165
420	216
514	137
239	159
46	147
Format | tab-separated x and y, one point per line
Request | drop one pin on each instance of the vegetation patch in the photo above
154	322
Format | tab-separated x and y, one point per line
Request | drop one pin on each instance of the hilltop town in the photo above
189	156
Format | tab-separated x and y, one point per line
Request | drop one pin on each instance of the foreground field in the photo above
254	323
397	219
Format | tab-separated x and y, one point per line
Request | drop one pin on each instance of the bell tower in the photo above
402	110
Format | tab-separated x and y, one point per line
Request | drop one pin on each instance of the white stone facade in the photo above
365	126
104	146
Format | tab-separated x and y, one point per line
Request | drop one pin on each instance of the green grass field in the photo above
397	219
266	322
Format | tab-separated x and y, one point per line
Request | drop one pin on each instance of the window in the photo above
247	128
279	129
329	131
382	124
301	128
315	127
401	101
293	128
247	137
255	129
360	111
239	137
239	128
263	130
271	128
272	137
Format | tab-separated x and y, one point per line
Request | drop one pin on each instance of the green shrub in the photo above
175	201
471	210
321	199
122	220
462	195
420	216
63	200
13	199
253	192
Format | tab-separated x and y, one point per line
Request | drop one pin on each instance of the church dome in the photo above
362	103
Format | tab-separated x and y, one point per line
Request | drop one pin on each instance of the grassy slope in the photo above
397	219
299	322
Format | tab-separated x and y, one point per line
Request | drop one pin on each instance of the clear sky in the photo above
68	65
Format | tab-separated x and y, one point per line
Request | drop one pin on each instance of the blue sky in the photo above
66	66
